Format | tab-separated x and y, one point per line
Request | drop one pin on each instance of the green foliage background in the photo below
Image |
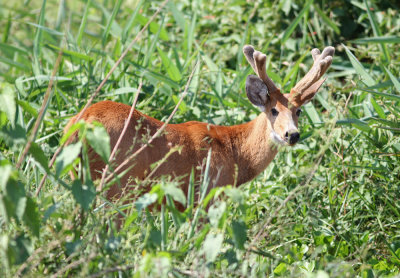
327	207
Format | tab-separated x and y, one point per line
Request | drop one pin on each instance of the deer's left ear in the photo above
257	91
310	92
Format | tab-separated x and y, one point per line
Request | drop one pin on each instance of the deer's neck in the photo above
253	147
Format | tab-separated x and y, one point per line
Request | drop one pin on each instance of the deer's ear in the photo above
256	90
310	92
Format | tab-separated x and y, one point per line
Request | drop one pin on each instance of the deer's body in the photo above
238	153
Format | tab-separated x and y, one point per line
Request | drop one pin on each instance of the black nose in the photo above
292	137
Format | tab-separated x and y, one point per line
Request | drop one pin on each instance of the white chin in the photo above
277	139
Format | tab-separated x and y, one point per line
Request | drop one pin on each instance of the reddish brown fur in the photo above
246	146
239	153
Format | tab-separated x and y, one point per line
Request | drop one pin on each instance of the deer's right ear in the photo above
256	90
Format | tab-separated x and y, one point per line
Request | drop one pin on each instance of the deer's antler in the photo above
257	61
306	88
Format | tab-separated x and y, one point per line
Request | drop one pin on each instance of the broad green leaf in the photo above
172	70
235	194
67	156
175	192
39	156
365	77
212	246
99	140
215	213
280	269
13	136
28	108
84	194
5	173
13	199
23	248
145	201
239	230
72	129
31	216
154	27
7	101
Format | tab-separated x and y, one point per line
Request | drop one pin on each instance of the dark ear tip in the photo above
252	78
248	48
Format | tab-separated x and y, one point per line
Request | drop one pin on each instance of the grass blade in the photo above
38	39
385	95
380	39
7	29
71	53
365	77
377	32
293	25
131	21
83	23
172	70
395	81
327	19
191	34
110	21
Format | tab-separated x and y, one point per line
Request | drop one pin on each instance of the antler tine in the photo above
261	59
322	61
257	61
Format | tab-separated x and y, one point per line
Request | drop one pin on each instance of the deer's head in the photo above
283	110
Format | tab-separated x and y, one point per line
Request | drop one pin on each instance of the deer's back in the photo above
190	142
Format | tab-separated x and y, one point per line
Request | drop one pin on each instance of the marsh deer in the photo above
238	153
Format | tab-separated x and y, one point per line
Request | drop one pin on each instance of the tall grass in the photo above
328	206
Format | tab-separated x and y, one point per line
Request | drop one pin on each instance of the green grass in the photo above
327	207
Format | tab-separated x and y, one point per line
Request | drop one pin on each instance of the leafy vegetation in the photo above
327	207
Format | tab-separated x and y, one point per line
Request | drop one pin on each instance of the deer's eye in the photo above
274	112
298	112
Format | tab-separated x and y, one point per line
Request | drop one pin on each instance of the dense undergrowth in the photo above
327	207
